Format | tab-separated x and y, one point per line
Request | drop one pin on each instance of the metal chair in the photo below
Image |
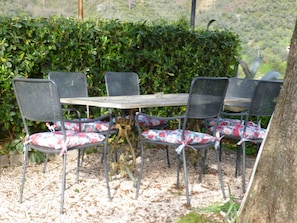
122	84
237	88
241	88
127	83
39	101
206	100
71	85
262	105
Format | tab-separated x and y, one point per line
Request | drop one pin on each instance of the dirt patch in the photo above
205	4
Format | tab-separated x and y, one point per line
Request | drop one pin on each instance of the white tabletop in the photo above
138	101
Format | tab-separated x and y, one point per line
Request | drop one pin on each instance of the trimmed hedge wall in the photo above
166	56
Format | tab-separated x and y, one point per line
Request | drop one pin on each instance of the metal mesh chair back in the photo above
265	98
242	88
206	97
70	84
38	99
122	83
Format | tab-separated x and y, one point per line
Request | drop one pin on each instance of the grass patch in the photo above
194	217
216	213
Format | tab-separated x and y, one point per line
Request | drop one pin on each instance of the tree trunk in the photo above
272	196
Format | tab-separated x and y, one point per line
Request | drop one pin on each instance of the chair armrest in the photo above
72	110
244	116
160	117
107	117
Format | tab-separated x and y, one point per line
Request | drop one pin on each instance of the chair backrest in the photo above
241	87
122	83
265	98
70	84
38	100
206	97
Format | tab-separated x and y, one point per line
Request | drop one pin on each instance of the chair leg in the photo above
186	177
220	149
167	156
178	170
202	165
140	171
243	167
24	174
238	158
220	173
104	159
64	157
45	162
82	156
78	165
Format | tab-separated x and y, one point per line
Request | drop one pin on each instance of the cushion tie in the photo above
243	138
52	128
186	143
27	141
64	148
218	140
182	146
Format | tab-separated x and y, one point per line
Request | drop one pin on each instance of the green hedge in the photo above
166	56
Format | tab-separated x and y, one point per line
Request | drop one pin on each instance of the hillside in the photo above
265	27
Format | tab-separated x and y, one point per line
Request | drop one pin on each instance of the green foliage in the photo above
36	156
264	27
166	56
229	209
216	213
194	217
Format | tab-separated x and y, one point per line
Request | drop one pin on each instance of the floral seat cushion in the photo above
55	139
235	128
228	122
175	136
94	126
251	132
148	122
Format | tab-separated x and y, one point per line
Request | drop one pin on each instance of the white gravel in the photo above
159	200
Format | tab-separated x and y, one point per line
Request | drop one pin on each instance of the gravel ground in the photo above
159	200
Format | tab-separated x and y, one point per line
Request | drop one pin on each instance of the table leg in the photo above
127	159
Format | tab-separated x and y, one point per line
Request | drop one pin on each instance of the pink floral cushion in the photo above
175	136
251	132
149	122
95	126
55	140
235	127
228	122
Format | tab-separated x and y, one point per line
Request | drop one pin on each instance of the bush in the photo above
166	56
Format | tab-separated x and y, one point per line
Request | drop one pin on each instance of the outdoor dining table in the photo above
140	101
134	102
